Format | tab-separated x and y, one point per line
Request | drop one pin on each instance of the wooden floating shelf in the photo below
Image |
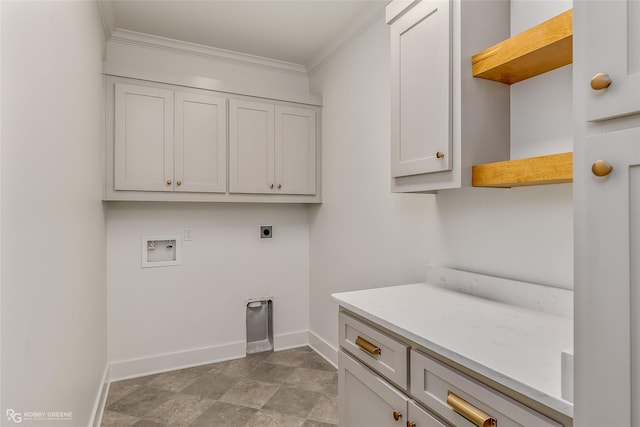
542	48
551	169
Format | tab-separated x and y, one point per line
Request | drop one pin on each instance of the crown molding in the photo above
108	17
365	20
211	53
207	83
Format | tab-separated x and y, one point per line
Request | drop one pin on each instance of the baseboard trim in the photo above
324	349
292	340
101	399
133	368
144	366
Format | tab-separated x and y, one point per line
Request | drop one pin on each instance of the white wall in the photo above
541	107
362	236
255	80
201	304
163	318
522	233
53	229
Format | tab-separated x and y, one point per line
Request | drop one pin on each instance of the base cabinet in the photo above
420	392
369	400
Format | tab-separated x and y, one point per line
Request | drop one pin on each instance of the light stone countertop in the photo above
517	347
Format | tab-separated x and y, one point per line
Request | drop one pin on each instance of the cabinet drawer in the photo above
433	382
379	351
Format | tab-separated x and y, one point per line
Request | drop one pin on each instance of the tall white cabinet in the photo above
607	212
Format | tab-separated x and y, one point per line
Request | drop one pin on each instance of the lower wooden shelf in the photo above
551	169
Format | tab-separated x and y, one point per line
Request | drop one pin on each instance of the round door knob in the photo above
279	186
601	168
271	186
411	424
397	415
439	154
179	182
168	182
600	81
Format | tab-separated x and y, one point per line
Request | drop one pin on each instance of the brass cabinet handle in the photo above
179	182
600	81
470	412
368	347
271	186
279	186
601	168
168	182
439	154
411	424
397	415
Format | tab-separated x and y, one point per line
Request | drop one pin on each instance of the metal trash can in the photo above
259	326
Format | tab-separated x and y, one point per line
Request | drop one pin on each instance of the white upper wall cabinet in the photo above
143	138
200	149
442	119
613	42
421	94
272	148
295	150
176	143
251	147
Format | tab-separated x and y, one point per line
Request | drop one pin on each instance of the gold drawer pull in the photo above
368	347
470	412
397	415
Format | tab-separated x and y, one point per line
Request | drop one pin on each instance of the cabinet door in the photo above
418	417
143	138
200	143
613	47
365	398
251	147
295	154
607	294
421	104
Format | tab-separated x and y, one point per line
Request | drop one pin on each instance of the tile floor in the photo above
282	389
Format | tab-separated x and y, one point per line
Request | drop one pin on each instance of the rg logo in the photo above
14	416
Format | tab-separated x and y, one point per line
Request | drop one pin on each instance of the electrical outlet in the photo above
266	232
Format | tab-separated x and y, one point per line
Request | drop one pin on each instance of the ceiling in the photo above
295	31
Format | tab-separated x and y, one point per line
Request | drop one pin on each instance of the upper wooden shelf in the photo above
550	169
543	48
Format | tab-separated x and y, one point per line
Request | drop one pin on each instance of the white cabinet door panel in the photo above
365	398
421	97
613	40
143	138
421	418
251	147
200	143
608	283
295	150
